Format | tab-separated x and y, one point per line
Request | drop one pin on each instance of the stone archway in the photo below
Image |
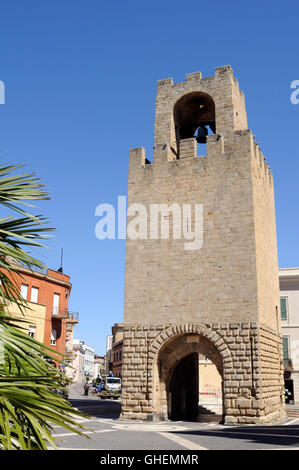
171	347
192	111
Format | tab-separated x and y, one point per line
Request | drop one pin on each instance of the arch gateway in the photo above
219	299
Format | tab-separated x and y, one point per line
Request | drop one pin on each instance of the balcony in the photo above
72	317
68	358
288	364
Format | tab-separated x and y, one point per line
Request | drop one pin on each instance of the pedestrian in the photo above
86	388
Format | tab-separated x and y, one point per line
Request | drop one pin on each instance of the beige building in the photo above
77	366
289	311
98	370
33	318
108	356
201	270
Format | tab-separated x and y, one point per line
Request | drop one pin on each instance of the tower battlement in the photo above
242	147
181	108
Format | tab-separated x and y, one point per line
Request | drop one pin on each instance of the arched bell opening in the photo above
182	379
194	116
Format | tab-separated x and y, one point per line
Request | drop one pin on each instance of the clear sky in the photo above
80	83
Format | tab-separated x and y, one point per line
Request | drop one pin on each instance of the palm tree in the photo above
29	402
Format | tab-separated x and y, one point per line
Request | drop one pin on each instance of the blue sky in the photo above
80	83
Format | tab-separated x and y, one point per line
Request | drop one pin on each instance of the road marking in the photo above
94	420
73	448
279	448
248	434
182	442
148	427
76	421
85	432
291	422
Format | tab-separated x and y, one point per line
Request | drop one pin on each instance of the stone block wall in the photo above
252	382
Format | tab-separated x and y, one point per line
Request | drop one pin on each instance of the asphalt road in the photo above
108	432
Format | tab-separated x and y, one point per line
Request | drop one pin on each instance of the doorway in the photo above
181	384
183	389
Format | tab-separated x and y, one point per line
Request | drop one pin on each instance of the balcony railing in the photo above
288	364
65	313
69	352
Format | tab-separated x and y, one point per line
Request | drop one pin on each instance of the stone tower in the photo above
219	296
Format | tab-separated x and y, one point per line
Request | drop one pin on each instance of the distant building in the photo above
289	313
83	362
98	370
47	316
78	363
108	355
117	346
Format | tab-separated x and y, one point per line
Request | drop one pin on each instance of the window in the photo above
56	304
285	347
31	331
24	291
34	294
53	337
283	308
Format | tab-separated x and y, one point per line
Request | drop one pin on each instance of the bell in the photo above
202	135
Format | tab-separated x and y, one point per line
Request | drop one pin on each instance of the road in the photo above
108	432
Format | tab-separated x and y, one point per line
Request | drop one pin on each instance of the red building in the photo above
52	290
117	358
117	346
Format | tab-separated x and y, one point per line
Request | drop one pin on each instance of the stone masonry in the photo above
220	300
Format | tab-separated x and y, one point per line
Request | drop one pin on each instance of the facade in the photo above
69	351
77	369
108	355
210	387
47	293
117	345
117	359
289	311
98	370
34	316
83	361
207	286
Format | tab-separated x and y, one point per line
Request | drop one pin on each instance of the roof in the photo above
287	274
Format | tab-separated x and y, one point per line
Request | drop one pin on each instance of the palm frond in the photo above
30	399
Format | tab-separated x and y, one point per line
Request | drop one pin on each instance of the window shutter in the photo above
283	308
24	290
31	331
34	294
285	348
53	336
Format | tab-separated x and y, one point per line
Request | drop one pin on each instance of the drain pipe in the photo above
147	358
253	392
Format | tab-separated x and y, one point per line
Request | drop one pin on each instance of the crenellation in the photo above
194	76
137	156
164	84
224	70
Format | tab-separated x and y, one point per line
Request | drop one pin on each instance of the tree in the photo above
30	403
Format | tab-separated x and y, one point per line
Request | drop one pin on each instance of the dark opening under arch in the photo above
191	112
184	389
